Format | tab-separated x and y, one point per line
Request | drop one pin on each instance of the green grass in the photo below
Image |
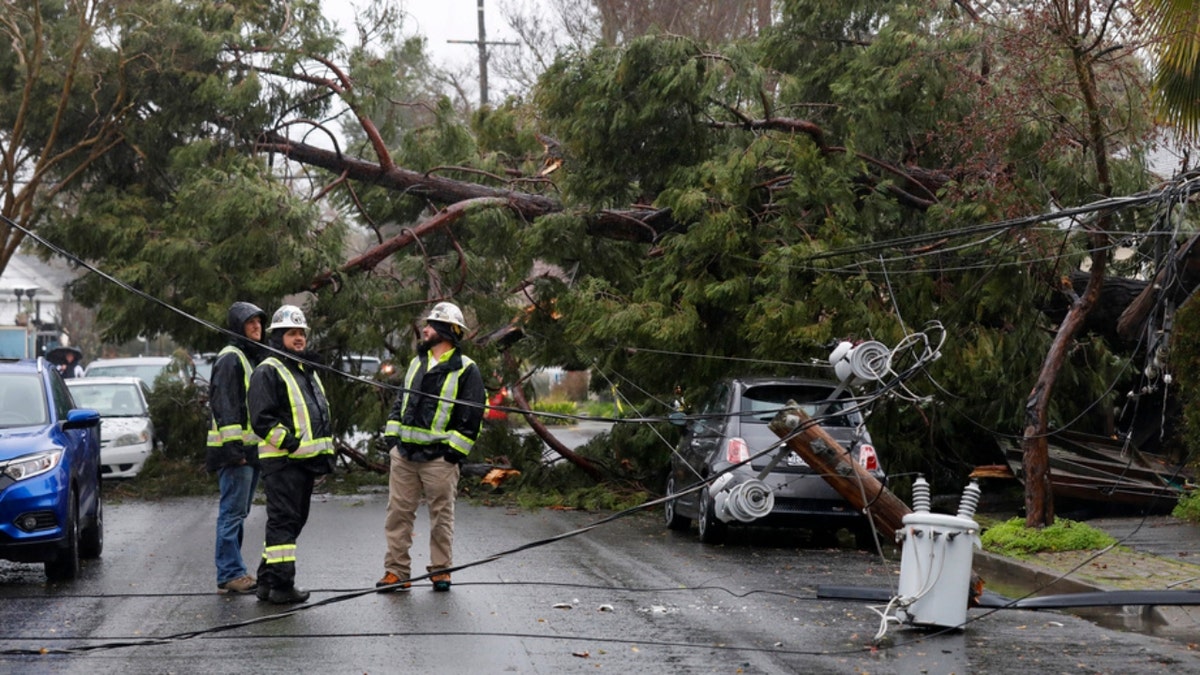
1012	538
1188	507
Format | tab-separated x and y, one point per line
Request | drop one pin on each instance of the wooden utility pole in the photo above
855	484
483	44
833	463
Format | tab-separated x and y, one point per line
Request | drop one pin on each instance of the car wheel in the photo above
712	530
91	542
674	520
65	565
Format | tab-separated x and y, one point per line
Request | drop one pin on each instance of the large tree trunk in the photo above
1039	500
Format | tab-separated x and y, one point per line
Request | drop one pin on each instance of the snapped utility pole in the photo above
483	44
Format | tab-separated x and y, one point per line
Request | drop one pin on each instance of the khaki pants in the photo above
438	479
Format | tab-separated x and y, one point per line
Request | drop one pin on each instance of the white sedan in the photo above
126	432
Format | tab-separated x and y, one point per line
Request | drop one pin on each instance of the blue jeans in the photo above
237	494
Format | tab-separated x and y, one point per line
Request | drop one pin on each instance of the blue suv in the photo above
51	510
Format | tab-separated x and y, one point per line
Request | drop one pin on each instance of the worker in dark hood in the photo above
232	451
288	410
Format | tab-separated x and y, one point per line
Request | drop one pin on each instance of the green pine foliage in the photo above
817	183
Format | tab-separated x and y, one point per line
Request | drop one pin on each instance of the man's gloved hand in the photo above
291	444
390	442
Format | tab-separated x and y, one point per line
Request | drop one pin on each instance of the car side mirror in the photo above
678	419
81	418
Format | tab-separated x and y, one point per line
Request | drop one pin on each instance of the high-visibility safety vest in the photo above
301	419
436	432
232	432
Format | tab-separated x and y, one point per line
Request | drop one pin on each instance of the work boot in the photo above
242	585
388	584
441	581
263	592
287	596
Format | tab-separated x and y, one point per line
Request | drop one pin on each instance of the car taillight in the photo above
867	457
736	451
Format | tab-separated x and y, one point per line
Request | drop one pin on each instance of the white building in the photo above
31	295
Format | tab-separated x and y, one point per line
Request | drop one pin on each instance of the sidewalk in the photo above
1154	553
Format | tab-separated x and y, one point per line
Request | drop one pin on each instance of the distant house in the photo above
31	297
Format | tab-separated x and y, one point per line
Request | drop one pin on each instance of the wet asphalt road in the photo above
624	597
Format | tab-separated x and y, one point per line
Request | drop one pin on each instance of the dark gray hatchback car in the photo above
729	424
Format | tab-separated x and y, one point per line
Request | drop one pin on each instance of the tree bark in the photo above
642	224
1039	499
378	254
1177	278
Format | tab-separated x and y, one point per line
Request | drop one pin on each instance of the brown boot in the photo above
390	583
441	581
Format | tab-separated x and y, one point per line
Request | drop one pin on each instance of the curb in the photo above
1044	581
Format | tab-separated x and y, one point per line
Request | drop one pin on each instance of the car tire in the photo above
91	540
712	530
65	565
675	521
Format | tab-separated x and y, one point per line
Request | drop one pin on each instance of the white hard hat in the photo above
288	316
447	312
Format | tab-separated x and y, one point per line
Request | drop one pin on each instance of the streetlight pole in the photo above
17	312
29	293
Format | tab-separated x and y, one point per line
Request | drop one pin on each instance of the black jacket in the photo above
227	391
465	419
270	407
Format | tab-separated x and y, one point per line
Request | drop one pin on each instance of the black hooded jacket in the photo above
270	407
227	390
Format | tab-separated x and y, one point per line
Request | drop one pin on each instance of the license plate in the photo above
795	460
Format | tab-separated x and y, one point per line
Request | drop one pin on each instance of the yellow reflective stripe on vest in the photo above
436	432
309	446
273	555
392	428
245	435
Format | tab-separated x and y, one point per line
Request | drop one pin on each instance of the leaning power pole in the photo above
483	44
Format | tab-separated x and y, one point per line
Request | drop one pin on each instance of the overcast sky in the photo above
439	21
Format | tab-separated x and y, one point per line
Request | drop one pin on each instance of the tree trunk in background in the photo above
540	429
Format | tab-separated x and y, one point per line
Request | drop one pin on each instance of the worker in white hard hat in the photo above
289	412
430	430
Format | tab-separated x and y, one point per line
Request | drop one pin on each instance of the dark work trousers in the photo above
288	493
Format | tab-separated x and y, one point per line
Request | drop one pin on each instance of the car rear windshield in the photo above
763	402
110	400
22	402
361	365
